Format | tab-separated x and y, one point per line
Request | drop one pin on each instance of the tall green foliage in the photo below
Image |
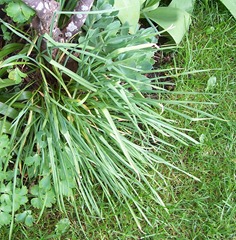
175	18
89	134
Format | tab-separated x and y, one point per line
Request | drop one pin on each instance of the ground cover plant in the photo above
101	117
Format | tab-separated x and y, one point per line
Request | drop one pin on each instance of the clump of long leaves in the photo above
91	133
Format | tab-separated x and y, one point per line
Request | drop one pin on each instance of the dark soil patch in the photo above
162	78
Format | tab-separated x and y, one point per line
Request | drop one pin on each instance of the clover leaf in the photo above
19	11
5	218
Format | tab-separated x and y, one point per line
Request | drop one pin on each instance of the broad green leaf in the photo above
44	198
8	111
35	190
49	198
6	188
211	83
129	11
231	6
62	226
36	203
20	200
5	218
29	220
175	21
20	217
19	11
22	191
8	82
9	175
45	183
6	207
25	217
35	160
20	197
5	198
186	5
16	75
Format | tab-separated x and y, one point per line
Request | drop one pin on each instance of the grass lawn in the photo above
202	209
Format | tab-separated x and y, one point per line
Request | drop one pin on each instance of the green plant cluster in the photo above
175	18
17	10
86	133
92	132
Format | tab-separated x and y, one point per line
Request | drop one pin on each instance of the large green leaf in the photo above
186	5
14	77
175	21
5	218
19	11
8	111
231	5
129	11
8	82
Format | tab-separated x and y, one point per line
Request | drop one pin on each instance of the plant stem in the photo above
77	20
45	11
46	20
